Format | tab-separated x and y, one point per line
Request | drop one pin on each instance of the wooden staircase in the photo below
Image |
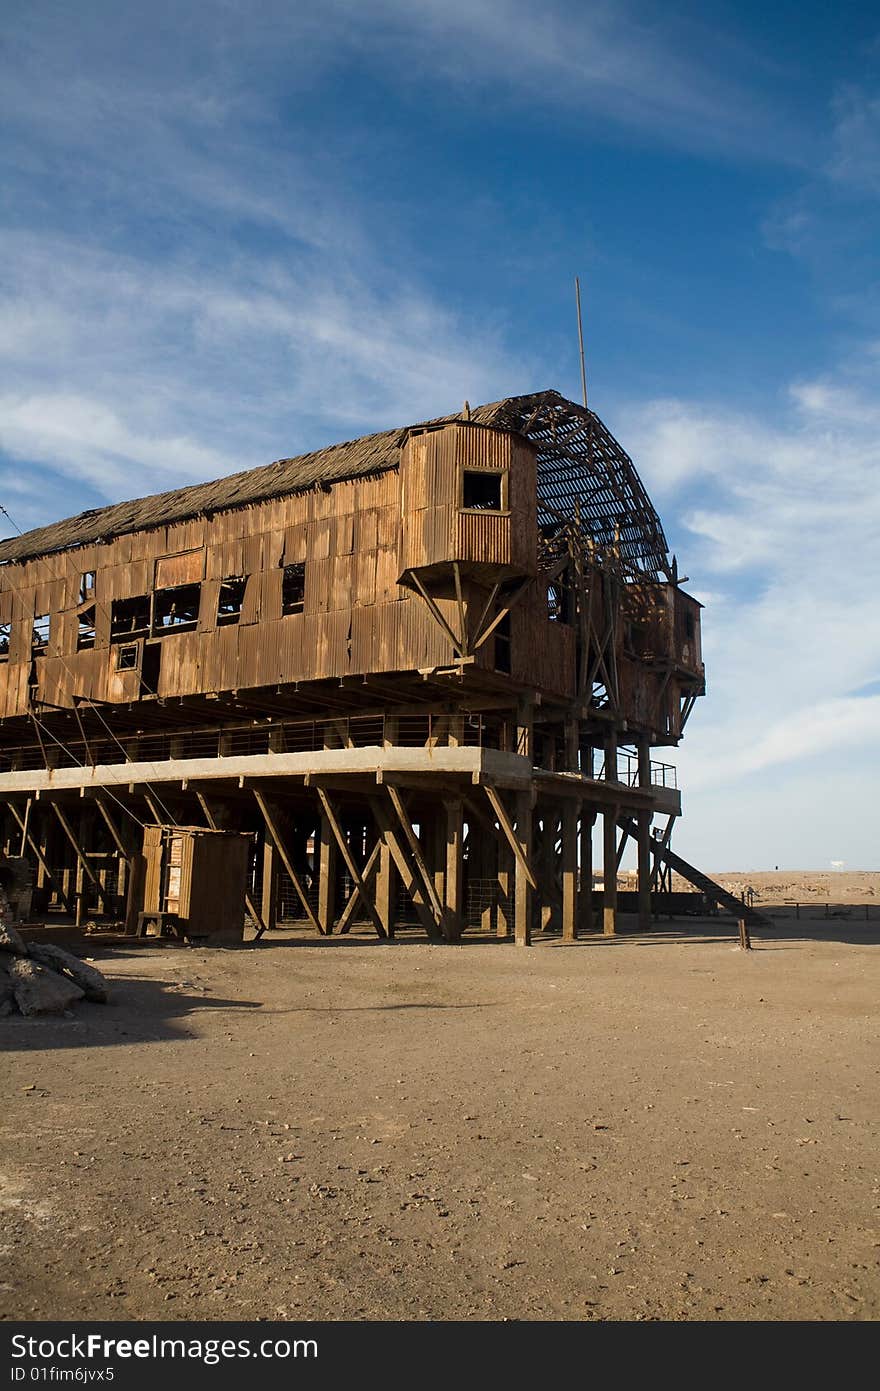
754	917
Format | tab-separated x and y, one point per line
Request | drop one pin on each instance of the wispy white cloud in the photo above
785	535
113	361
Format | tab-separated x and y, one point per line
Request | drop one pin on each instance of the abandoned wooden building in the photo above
409	672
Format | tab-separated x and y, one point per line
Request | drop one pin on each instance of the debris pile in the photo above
36	978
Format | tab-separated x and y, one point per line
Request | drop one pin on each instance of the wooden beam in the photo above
41	859
502	613
430	921
356	877
436	614
512	836
452	922
346	917
274	832
81	855
416	851
326	851
522	911
569	871
123	849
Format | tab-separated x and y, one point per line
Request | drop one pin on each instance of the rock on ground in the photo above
10	940
38	990
90	981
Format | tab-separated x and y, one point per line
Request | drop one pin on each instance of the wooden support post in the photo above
326	876
569	871
274	831
452	918
40	852
25	830
269	898
745	940
520	849
644	840
609	871
369	872
609	843
385	885
504	918
82	861
522	909
356	877
585	906
416	851
134	899
430	920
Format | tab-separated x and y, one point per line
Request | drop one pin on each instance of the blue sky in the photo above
234	232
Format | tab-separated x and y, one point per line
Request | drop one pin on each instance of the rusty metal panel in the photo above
295	544
187	567
319	539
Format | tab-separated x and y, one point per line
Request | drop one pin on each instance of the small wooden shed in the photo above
196	881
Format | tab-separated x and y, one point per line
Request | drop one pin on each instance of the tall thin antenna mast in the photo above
577	294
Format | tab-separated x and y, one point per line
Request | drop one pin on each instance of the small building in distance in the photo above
414	668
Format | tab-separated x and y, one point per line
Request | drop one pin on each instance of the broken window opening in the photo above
5	636
293	588
40	639
231	600
127	658
150	669
176	610
129	618
85	637
482	491
559	602
86	586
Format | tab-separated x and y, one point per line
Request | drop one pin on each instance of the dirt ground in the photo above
655	1126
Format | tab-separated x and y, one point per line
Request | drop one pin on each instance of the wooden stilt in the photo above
326	876
585	903
569	871
385	884
609	844
415	887
350	864
524	880
274	831
452	919
644	841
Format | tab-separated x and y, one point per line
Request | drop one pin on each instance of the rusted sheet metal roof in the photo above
578	460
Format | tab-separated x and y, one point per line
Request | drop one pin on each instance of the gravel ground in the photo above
656	1126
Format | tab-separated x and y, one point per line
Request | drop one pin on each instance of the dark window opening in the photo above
559	602
5	635
40	639
231	600
176	610
127	658
689	626
502	645
85	637
86	586
293	589
129	618
150	668
482	491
